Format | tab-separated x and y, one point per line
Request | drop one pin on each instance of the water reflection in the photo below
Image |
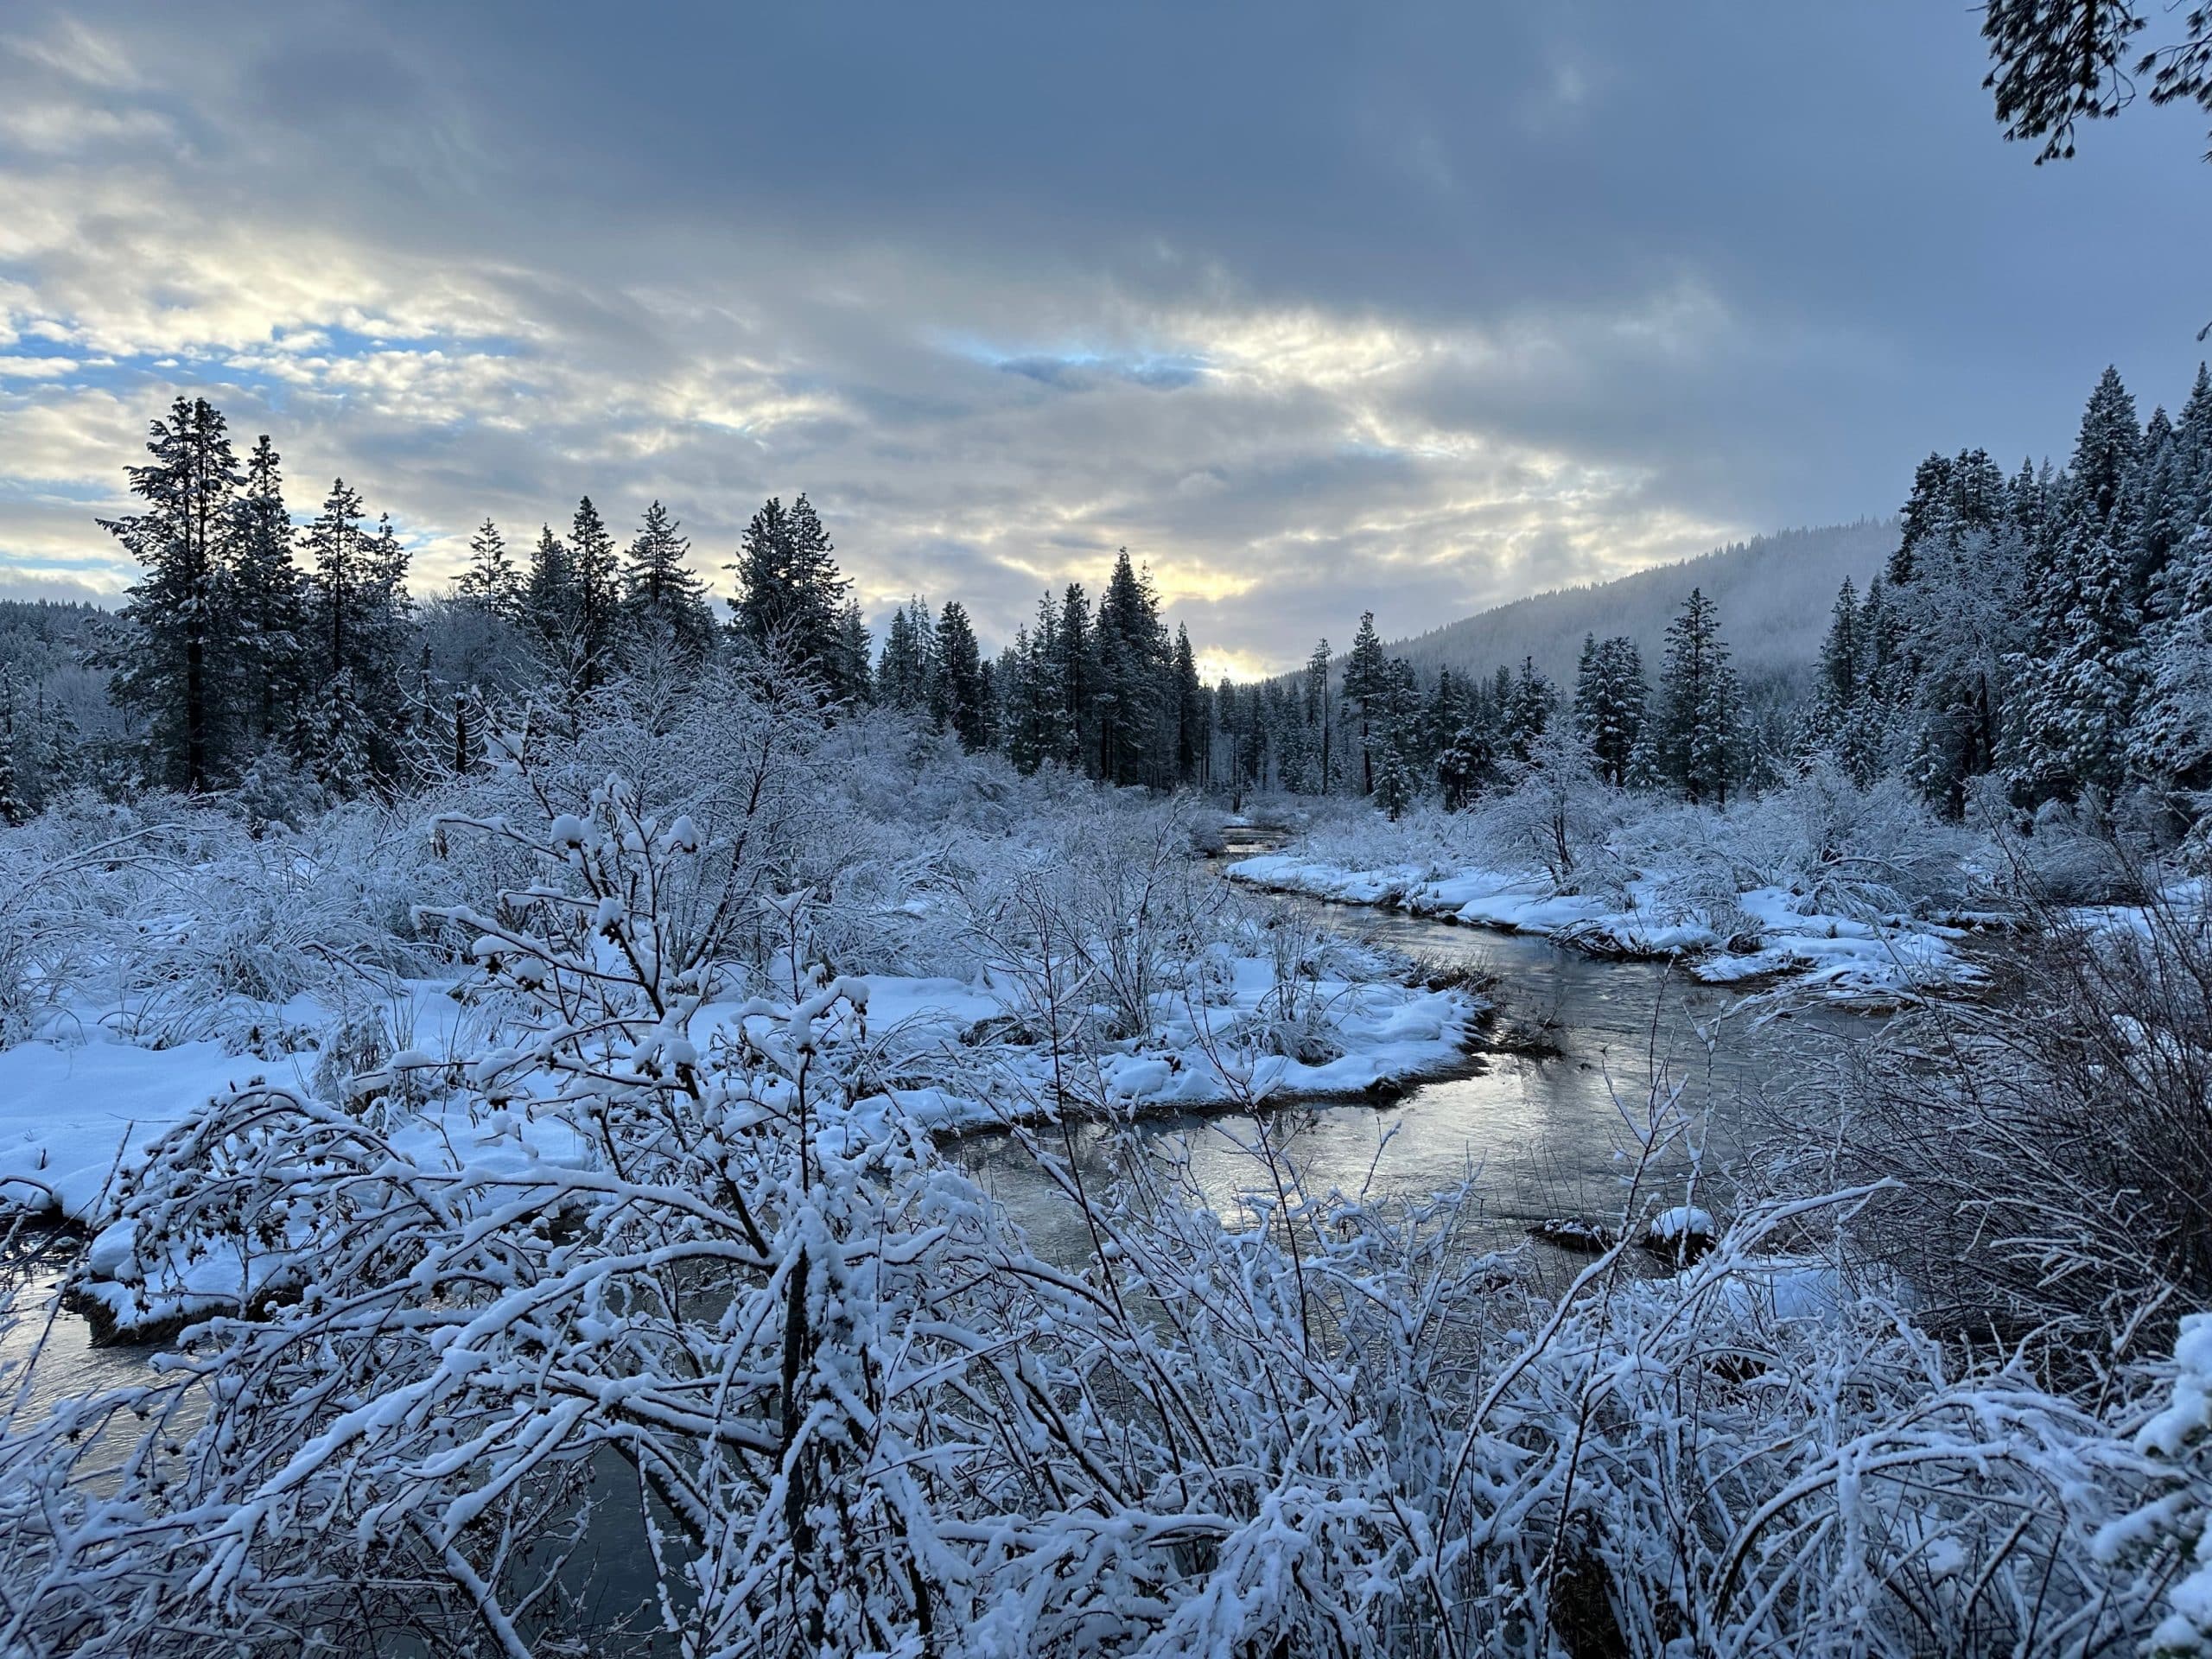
1545	1134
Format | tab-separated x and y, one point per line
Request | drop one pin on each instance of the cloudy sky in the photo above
1315	308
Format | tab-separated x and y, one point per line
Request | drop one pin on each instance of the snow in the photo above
1844	958
68	1114
1683	1221
73	1116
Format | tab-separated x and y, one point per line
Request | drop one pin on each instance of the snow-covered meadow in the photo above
1021	947
539	1184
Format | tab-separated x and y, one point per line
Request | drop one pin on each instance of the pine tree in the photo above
1075	671
662	599
596	574
2171	740
338	579
1698	744
1839	651
2082	668
1950	497
1398	741
549	598
1131	660
1228	769
1527	710
177	613
490	580
1190	717
357	623
13	809
1320	716
56	759
958	700
1944	701
268	607
2105	452
1609	705
904	675
790	591
2158	511
1466	754
1365	681
855	685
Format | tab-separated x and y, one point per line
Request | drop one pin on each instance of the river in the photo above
1542	1126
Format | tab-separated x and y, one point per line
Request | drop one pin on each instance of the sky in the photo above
1314	308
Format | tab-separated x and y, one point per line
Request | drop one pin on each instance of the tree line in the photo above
2049	630
264	657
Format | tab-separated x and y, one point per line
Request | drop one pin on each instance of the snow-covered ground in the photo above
73	1114
1865	957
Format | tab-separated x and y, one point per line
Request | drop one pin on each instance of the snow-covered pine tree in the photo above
1957	624
358	610
2158	511
2081	667
172	670
13	808
1041	724
1130	651
903	676
1527	710
549	595
1192	721
1396	781
2171	742
56	764
1699	737
1950	496
338	580
269	612
1076	671
1364	680
855	685
1609	705
1398	757
595	568
1320	716
490	580
1466	747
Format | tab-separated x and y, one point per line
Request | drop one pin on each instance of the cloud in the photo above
1393	307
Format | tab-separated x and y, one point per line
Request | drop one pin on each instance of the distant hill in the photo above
1773	594
44	646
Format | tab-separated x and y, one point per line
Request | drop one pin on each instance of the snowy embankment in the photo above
957	1055
1772	933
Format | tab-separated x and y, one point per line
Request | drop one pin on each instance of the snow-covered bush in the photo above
1846	850
2052	1143
2171	1527
171	921
1554	813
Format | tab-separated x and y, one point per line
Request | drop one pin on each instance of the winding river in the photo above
1539	1123
1541	1120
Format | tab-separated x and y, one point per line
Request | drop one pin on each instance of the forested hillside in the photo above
1775	590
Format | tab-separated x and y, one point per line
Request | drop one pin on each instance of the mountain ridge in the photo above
1774	593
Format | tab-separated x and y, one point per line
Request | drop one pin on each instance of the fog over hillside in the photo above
1774	593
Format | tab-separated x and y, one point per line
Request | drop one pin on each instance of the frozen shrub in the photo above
2051	1145
1845	849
